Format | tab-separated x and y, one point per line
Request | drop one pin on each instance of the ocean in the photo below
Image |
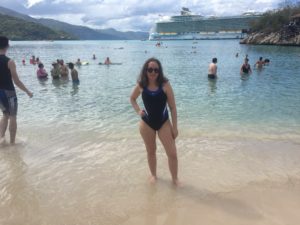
79	158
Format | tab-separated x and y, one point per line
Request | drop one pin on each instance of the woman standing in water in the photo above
156	93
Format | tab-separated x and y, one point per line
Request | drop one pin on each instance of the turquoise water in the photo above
265	104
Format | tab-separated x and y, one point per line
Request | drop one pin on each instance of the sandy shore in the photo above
257	204
83	179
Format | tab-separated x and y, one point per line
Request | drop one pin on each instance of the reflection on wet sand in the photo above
19	203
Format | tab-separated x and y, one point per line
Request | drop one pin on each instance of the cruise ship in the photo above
196	27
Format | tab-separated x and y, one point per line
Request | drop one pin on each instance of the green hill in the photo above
277	27
274	20
80	32
19	29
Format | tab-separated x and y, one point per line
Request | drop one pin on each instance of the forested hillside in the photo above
18	29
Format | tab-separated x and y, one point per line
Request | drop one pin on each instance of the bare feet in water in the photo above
152	179
2	141
177	183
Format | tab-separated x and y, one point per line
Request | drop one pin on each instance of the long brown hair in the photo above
143	79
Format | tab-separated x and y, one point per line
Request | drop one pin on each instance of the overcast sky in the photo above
135	15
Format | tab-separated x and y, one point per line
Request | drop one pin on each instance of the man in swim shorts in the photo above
212	69
8	97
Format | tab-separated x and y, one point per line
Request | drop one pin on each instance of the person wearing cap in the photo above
64	71
55	71
8	97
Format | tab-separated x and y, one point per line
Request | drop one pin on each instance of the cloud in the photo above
131	14
31	3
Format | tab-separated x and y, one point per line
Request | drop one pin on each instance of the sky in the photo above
131	15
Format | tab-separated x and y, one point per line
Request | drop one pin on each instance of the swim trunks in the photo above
8	102
77	82
212	76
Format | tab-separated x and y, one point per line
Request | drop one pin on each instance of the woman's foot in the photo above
177	183
152	179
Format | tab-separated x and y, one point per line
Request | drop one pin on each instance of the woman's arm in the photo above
172	105
134	95
241	70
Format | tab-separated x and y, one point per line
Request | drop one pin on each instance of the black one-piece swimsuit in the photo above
155	103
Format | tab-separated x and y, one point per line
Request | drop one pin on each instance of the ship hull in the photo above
200	36
196	28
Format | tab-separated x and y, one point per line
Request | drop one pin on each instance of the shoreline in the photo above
274	39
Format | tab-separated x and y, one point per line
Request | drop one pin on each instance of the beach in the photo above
79	158
95	182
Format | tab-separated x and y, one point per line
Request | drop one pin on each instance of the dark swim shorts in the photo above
212	76
8	102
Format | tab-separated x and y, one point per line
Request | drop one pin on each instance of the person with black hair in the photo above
41	72
246	68
8	97
74	73
212	69
260	63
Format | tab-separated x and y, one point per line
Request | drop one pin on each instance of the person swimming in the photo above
266	61
107	61
78	63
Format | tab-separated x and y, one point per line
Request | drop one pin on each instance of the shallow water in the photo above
79	158
265	104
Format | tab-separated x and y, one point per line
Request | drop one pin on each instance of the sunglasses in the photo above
150	70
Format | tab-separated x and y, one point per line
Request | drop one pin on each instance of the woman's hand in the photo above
142	113
174	132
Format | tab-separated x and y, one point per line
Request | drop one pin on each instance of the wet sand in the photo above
81	179
257	204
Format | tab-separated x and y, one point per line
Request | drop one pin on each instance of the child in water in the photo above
41	72
74	73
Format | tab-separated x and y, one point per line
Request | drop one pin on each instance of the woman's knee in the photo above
151	151
172	154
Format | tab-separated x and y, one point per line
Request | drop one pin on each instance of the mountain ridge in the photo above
18	29
76	31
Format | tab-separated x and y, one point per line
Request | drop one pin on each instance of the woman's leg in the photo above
166	138
149	135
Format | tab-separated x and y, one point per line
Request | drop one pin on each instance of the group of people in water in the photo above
245	68
60	69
